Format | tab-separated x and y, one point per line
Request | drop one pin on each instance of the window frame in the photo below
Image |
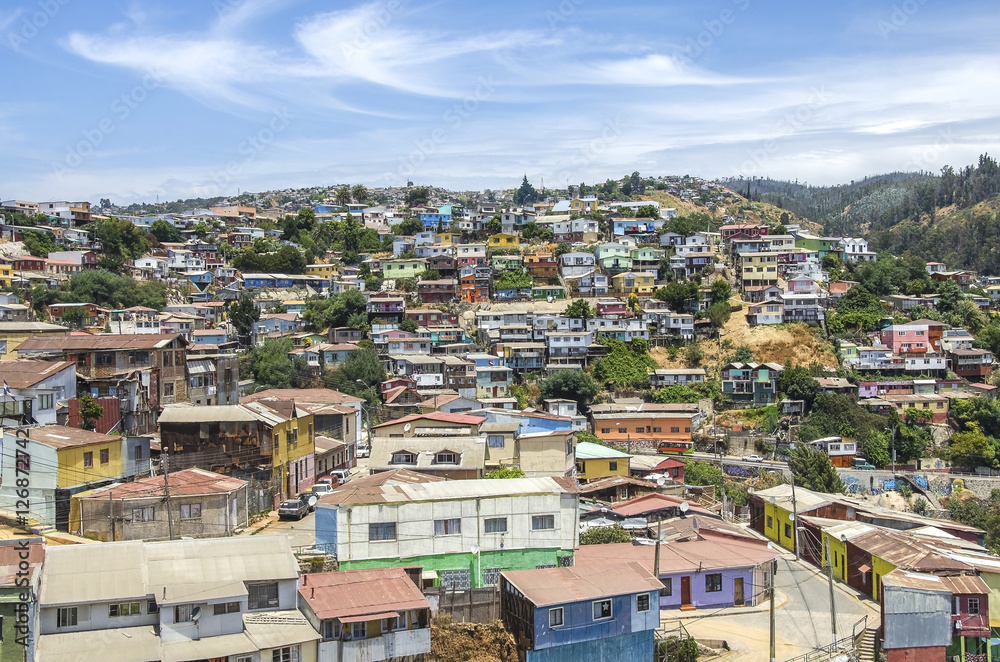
536	520
713	582
451	526
64	615
495	529
383	528
639	599
226	608
262	593
557	611
600	604
969	603
191	507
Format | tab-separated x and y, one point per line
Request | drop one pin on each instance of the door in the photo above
685	591
738	591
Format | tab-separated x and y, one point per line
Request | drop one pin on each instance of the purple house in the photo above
699	568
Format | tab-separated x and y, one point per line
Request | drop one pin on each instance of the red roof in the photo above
669	463
350	593
709	551
187	482
437	416
10	559
652	502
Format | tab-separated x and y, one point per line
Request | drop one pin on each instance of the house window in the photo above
605	430
612	466
973	606
448	527
640	430
66	617
359	631
142	514
675	430
262	596
88	459
286	654
668	586
555	617
331	630
713	583
622	430
383	531
455	580
190	510
495	525
642	602
602	609
226	608
183	613
152	607
657	429
124	609
105	456
495	441
543	522
788	530
446	458
168	390
770	522
45	401
390	624
491	576
404	458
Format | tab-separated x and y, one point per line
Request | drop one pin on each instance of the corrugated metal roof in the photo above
25	373
199	367
138	644
361	593
108	341
207	647
545	587
586	450
93	573
711	550
61	436
183	413
274	629
471	451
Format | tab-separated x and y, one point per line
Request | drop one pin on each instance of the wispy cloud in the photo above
6	18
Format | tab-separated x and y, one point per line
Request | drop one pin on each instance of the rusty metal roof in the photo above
352	593
61	436
187	482
104	341
25	373
545	587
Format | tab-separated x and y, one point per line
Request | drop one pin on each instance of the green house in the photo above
546	291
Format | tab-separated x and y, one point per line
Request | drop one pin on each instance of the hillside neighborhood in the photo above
651	420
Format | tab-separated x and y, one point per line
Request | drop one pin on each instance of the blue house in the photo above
200	279
582	613
431	217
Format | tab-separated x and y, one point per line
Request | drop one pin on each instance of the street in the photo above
801	623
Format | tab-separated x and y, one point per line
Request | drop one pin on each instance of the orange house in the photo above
646	429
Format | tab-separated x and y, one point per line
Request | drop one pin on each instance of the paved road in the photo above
801	624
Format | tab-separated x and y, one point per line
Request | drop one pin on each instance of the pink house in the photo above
802	284
906	338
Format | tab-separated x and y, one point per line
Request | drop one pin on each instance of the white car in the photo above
752	458
363	451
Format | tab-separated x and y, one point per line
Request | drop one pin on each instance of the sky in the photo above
135	101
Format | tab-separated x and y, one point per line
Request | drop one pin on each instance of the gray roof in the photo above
173	571
181	413
137	644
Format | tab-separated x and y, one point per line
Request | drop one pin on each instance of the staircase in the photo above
864	643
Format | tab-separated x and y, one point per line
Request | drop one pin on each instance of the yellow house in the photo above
294	437
836	538
324	270
12	334
594	461
777	521
81	456
641	283
501	240
445	238
758	269
6	274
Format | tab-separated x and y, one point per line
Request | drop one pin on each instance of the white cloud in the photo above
6	18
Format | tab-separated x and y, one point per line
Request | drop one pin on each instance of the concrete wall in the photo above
42	480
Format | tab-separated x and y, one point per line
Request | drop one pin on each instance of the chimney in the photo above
312	593
305	579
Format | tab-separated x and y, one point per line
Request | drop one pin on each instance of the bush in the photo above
605	535
920	505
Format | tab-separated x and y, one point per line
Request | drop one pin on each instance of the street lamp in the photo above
892	447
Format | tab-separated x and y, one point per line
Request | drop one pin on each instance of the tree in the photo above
359	193
647	211
90	412
335	311
693	355
677	294
361	365
164	231
743	354
417	196
605	535
814	471
243	313
408	325
719	313
39	244
798	384
579	308
971	449
721	290
494	226
270	364
949	294
697	472
410	226
76	316
569	385
624	366
120	242
342	196
505	472
526	194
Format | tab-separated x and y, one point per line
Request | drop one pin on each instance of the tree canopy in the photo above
342	309
814	471
569	385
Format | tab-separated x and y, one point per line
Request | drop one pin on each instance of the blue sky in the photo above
179	98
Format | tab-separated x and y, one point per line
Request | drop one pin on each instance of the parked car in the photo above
319	489
340	475
861	463
307	497
752	458
363	451
293	509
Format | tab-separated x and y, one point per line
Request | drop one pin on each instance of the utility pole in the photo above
111	516
774	568
166	493
795	522
656	556
829	576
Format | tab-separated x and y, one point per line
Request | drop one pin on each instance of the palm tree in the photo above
359	193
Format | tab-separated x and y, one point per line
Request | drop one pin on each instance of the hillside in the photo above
736	206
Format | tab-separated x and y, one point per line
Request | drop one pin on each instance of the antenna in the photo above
406	428
661	482
684	506
312	501
196	614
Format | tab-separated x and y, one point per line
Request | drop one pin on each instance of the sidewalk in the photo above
697	614
261	524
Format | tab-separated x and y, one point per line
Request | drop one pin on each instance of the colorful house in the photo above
554	292
594	461
639	283
582	613
502	240
457	534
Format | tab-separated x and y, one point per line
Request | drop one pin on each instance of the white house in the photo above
856	250
36	389
233	598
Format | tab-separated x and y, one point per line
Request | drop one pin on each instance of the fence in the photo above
477	605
